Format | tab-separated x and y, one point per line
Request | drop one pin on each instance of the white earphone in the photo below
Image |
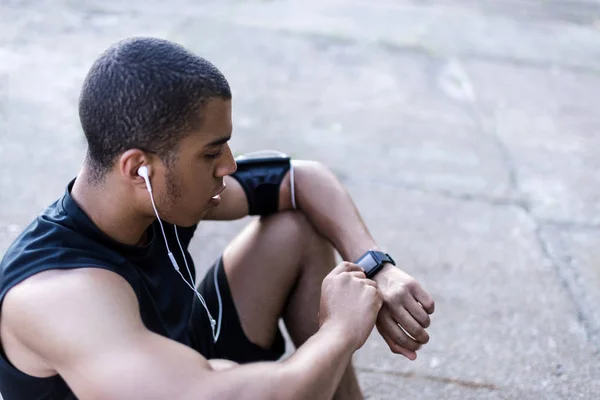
144	173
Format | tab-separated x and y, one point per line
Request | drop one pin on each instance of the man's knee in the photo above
295	225
304	236
297	230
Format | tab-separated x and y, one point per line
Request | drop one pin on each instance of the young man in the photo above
97	293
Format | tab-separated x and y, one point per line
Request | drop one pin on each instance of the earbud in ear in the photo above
143	172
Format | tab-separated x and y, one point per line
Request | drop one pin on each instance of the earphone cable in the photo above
212	321
174	262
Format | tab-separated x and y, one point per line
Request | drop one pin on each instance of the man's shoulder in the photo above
66	303
55	306
64	285
57	287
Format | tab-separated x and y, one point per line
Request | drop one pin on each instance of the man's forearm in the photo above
329	207
321	363
313	372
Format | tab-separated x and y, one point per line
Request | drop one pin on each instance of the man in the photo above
97	293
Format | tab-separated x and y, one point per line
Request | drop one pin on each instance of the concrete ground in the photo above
467	132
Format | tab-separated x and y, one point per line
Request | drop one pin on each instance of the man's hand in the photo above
405	304
350	303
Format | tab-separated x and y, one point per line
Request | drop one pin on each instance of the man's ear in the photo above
130	162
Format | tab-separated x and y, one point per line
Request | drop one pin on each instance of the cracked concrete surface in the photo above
467	132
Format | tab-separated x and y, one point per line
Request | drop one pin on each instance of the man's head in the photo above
148	101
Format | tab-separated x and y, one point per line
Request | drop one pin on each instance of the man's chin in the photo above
189	219
199	217
188	225
190	222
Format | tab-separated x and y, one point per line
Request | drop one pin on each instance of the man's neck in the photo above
110	209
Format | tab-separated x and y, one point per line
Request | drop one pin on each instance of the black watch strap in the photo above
372	262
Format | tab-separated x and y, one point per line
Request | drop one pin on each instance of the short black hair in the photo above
144	93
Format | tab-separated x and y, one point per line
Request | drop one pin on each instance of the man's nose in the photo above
229	165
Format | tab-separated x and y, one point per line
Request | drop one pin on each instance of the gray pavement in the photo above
467	131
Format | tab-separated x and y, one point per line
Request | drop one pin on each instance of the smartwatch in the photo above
372	261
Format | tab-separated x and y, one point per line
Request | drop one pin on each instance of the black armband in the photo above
261	180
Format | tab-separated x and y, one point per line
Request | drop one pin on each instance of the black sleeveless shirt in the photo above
63	237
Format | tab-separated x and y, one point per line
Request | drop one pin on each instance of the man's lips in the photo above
218	192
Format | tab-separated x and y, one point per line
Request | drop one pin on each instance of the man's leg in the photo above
275	268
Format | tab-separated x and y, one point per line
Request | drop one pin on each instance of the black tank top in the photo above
63	237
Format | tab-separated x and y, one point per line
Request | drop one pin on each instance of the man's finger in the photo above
371	282
395	348
345	267
424	298
409	324
358	274
391	328
363	277
396	339
418	313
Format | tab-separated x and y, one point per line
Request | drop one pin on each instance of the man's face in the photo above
203	160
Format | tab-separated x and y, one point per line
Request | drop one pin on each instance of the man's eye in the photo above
215	155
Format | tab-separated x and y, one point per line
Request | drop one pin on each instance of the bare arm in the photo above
321	196
93	336
328	205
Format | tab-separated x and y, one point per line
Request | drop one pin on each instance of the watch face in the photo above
367	262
